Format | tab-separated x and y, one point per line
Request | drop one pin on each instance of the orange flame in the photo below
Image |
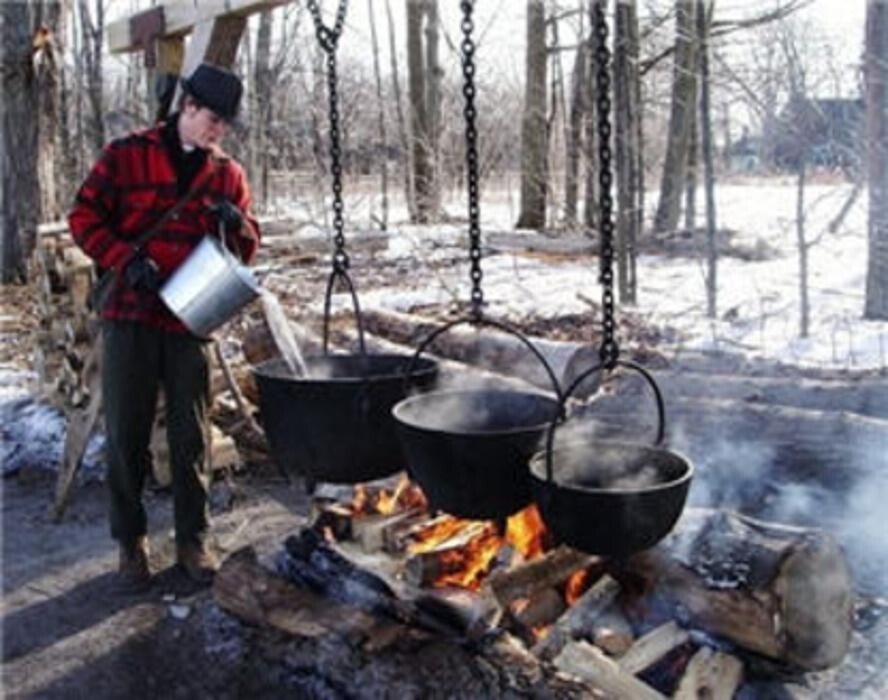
359	504
526	532
576	586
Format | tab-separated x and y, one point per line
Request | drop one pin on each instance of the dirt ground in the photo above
68	634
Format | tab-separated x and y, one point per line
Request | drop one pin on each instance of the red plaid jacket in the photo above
127	192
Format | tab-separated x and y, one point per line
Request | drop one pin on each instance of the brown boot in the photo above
133	574
198	561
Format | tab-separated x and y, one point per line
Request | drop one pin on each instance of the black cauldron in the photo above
610	498
335	425
468	450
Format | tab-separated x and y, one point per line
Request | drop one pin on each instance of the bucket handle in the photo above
658	396
339	272
476	320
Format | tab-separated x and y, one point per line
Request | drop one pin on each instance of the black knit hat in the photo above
216	88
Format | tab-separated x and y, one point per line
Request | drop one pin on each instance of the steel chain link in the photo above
328	39
469	112
609	351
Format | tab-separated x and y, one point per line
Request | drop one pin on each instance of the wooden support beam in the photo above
180	17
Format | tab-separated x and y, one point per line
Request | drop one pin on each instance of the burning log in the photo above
551	569
349	646
579	618
541	610
780	591
652	647
378	531
710	674
433	565
589	663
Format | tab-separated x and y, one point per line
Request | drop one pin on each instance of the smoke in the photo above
747	477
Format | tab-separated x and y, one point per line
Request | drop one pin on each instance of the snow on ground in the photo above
758	301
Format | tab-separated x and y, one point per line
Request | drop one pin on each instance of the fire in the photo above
468	565
576	586
405	496
526	532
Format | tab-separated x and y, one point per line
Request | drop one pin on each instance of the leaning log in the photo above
780	591
833	448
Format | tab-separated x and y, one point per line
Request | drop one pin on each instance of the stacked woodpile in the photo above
64	343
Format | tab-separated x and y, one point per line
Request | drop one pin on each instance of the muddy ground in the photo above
68	634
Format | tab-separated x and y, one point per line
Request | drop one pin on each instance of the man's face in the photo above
200	126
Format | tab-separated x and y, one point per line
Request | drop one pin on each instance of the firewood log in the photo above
653	646
780	591
551	569
712	675
586	661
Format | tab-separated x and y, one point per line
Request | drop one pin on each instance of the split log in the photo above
540	610
780	591
377	532
426	567
612	632
579	618
551	569
653	646
712	675
589	663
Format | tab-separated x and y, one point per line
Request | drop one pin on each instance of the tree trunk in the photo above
876	306
27	52
575	133
590	193
262	94
802	243
534	144
93	30
409	191
627	114
420	144
704	21
433	77
49	89
683	105
383	138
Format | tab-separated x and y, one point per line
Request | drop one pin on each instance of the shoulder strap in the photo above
196	188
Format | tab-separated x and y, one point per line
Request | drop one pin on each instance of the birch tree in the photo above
876	305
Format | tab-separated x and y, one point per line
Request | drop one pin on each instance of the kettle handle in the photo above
658	397
475	320
340	273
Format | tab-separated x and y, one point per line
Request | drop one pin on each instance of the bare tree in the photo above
627	119
419	115
409	188
534	144
876	306
92	27
28	30
574	141
383	172
704	20
683	106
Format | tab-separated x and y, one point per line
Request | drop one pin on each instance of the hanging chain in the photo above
609	351
469	112
328	39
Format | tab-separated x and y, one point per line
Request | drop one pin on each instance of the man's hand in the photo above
142	273
229	215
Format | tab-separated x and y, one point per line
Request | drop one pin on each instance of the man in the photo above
137	179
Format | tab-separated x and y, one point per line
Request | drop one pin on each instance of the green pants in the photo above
138	360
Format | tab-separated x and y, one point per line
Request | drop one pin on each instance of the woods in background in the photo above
683	73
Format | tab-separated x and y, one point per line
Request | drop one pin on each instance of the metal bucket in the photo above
209	288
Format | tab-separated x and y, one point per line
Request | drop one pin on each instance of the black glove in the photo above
142	273
229	215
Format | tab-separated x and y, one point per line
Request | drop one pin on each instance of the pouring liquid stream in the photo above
283	335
